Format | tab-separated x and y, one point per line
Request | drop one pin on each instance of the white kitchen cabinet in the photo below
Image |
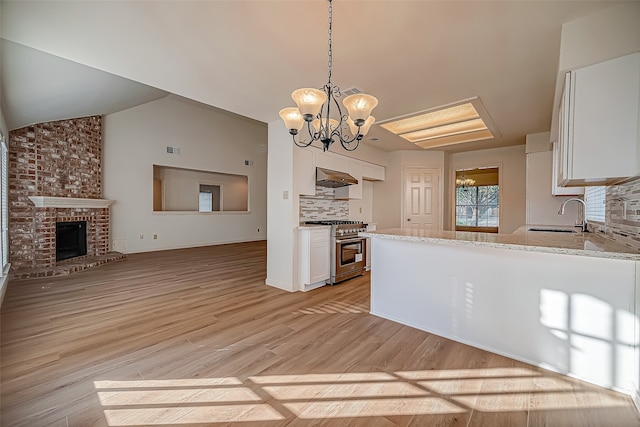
372	172
353	191
304	172
556	190
314	262
339	163
323	159
599	139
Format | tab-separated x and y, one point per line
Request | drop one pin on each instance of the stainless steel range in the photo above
348	251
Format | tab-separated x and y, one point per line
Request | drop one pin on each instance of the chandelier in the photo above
465	182
314	107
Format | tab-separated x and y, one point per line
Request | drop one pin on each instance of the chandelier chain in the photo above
330	62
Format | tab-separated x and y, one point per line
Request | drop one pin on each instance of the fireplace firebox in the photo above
71	239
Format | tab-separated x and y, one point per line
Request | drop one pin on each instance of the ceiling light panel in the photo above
455	123
455	139
446	130
430	119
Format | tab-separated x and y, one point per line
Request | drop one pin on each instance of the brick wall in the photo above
58	159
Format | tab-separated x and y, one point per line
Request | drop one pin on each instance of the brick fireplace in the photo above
55	175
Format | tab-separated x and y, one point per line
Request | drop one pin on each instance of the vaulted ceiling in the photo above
64	59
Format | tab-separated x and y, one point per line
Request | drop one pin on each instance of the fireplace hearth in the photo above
71	239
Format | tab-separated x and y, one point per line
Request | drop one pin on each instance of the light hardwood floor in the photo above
195	337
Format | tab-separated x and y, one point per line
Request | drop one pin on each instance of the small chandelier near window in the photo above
465	182
315	107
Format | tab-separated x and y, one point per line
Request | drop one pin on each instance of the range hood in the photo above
333	179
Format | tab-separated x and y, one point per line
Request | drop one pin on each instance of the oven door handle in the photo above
352	240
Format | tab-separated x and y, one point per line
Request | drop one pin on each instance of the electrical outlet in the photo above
285	194
141	236
155	237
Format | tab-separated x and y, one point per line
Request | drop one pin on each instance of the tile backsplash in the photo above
323	206
622	213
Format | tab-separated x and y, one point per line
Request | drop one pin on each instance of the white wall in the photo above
362	209
210	140
282	217
512	162
542	206
387	195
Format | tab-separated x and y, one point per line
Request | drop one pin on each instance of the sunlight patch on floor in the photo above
191	415
264	398
335	307
170	397
373	407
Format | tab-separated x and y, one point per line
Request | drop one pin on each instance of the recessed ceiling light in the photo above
463	121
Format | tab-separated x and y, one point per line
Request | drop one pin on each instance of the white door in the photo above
422	198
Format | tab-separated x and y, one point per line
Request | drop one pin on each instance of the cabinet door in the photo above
304	172
604	108
556	190
562	152
322	160
373	172
319	256
339	163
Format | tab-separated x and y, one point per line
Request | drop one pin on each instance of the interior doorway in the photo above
477	199
422	194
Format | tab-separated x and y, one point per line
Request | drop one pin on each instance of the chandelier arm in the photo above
314	136
301	144
346	145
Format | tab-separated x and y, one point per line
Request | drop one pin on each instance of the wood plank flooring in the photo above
194	337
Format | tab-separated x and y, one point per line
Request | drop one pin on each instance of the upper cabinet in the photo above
598	136
304	172
555	189
354	191
306	160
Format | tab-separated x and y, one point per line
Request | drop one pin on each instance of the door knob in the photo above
408	219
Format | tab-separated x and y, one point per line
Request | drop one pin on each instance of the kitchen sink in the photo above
553	230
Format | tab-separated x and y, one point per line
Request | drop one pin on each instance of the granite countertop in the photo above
576	243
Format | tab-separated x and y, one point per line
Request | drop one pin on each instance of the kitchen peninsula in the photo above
562	301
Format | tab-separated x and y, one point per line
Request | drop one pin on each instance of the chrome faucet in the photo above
583	211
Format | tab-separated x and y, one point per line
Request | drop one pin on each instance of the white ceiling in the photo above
71	59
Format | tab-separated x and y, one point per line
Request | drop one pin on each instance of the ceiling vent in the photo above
351	91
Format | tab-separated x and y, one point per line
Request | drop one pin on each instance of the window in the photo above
594	198
477	200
